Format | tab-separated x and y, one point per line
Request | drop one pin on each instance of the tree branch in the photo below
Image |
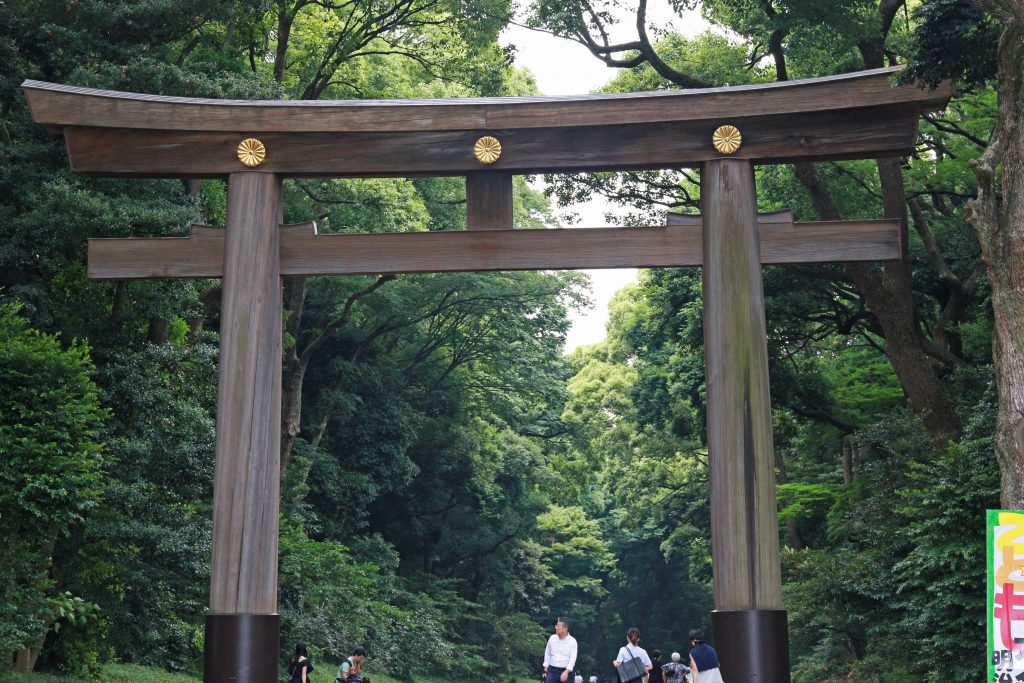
343	319
947	126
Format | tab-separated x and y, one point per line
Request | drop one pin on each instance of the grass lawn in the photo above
112	673
131	673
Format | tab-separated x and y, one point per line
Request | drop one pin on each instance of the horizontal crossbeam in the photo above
850	134
859	115
303	252
59	105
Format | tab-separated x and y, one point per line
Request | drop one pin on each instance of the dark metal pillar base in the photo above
241	648
752	645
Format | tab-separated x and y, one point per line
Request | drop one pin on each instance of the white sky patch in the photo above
564	67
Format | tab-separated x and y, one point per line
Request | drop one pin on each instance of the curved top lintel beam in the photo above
56	105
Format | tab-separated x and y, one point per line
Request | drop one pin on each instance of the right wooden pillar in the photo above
749	624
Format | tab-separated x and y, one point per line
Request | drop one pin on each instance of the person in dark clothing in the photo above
703	660
656	675
300	666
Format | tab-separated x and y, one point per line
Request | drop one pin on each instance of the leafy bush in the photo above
50	462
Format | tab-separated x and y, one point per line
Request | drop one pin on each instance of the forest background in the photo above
451	481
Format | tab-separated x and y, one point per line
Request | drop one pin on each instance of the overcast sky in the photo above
563	67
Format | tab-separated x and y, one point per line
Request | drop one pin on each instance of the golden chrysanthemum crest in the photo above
251	152
727	139
487	149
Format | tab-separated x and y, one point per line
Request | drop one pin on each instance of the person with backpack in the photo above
300	665
351	670
675	671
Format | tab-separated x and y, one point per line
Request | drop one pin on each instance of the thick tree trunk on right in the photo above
888	291
998	219
888	294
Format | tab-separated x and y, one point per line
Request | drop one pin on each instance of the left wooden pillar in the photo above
242	629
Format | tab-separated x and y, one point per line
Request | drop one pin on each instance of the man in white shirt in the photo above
560	653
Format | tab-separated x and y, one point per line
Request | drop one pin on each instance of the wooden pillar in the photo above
489	200
744	522
242	629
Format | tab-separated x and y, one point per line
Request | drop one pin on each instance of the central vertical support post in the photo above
749	624
242	629
488	200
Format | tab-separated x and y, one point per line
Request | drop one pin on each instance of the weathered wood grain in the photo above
304	253
856	133
744	524
488	200
246	474
764	220
128	258
62	105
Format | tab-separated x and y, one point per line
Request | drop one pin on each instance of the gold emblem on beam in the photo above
487	149
727	139
251	152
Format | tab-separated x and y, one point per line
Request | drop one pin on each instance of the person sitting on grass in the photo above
351	670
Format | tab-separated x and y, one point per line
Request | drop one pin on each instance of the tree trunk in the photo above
796	539
25	660
998	219
159	331
888	295
888	292
284	30
293	369
291	407
846	452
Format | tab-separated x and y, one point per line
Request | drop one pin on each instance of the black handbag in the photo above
631	669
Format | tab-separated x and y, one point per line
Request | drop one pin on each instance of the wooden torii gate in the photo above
255	144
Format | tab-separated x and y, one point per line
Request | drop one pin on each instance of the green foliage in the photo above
798	501
577	557
516	637
421	381
861	381
326	598
939	577
630	407
898	576
50	420
133	673
79	646
955	40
